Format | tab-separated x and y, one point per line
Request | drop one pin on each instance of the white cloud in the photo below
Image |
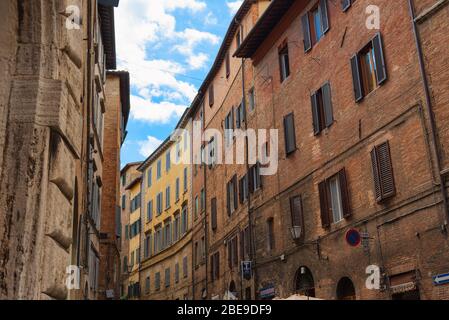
148	111
198	61
234	6
147	147
210	19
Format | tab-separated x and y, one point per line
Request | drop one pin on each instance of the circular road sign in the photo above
353	237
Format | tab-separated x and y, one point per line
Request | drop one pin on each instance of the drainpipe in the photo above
433	127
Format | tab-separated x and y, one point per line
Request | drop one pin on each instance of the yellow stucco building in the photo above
165	271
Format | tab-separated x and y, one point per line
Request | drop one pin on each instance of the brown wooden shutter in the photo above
251	180
324	15
381	70
324	205
214	213
376	177
230	253
306	32
241	190
385	170
315	114
327	104
236	200
289	133
357	82
228	65
211	95
345	201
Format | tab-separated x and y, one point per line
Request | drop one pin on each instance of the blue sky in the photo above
168	47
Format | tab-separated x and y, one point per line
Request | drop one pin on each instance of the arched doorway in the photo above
233	289
345	289
304	283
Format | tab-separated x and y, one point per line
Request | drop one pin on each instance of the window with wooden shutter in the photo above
306	32
381	70
327	105
345	5
324	205
284	63
296	212
357	82
315	24
324	16
289	134
344	194
235	192
322	111
228	65
214	213
211	95
384	183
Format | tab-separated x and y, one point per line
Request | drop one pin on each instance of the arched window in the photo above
305	285
345	289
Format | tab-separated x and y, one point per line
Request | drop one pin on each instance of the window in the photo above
138	255
296	212
215	266
203	200
243	187
284	64
167	277
177	189
124	179
322	112
135	229
168	161
231	195
240	116
176	272
229	126
157	281
270	234
147	246
252	99
150	177
254	178
211	152
131	262
176	228
127	232
196	254
185	179
203	250
135	203
167	197
232	245
334	199
289	134
147	285
184	220
384	184
196	207
159	203
167	234
228	65
150	211
346	4
184	267
125	264
368	68
315	24
211	95
123	202
239	36
213	205
158	239
159	169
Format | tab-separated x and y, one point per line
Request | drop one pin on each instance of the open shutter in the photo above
306	32
324	15
241	190
315	114
386	171
228	199
236	200
289	133
327	104
324	205
381	70
251	180
345	5
375	165
344	194
211	95
356	78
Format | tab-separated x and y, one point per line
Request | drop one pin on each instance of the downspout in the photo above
206	233
433	127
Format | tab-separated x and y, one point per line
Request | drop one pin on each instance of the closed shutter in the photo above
241	190
381	70
324	15
324	204
327	104
356	78
345	193
386	170
315	114
228	198
251	180
306	32
230	254
236	200
214	213
345	5
211	95
289	133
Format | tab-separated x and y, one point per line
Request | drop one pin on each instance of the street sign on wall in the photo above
353	237
441	279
